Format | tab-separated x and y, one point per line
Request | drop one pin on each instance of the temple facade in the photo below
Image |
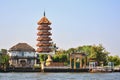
44	40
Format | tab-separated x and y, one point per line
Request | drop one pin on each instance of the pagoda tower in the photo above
44	39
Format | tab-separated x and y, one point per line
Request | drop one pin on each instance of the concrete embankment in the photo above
19	69
44	70
65	70
28	69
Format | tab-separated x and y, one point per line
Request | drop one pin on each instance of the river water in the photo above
59	76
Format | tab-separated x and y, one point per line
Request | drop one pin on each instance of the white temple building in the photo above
22	55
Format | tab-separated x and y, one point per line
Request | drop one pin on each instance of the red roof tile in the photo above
44	20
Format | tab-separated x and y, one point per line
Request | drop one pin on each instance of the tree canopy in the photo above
114	59
97	52
4	58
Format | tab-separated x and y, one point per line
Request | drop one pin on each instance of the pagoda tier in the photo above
43	50
41	44
44	44
43	28
44	39
43	33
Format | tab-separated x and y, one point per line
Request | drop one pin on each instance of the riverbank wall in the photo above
19	69
44	70
28	69
65	70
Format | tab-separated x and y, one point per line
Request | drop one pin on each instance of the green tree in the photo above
4	60
60	58
4	51
114	59
56	58
43	57
101	54
71	50
95	52
63	58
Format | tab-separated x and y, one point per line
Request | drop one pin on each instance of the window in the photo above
22	54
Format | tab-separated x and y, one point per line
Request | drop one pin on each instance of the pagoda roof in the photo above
22	47
44	20
44	33
43	27
44	39
43	50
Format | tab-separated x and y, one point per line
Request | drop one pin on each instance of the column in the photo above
85	62
74	63
70	62
80	62
16	64
42	65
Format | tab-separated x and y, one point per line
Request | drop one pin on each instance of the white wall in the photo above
22	54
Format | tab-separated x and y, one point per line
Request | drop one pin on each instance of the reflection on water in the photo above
59	76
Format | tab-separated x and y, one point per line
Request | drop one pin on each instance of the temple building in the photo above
22	55
44	40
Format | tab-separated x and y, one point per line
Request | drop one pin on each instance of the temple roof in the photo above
22	47
44	20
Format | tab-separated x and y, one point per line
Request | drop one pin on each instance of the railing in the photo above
23	57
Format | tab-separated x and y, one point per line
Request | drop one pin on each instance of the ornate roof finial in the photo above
44	20
44	13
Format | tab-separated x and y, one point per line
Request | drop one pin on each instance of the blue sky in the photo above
74	22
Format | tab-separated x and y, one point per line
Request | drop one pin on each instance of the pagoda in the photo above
44	39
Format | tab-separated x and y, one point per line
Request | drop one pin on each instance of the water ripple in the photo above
59	76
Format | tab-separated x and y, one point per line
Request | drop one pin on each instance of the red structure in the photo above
44	44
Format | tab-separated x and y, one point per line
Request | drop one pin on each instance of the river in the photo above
59	76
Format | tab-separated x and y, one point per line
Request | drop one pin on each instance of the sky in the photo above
74	22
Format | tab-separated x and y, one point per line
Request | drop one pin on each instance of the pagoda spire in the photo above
44	20
44	13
